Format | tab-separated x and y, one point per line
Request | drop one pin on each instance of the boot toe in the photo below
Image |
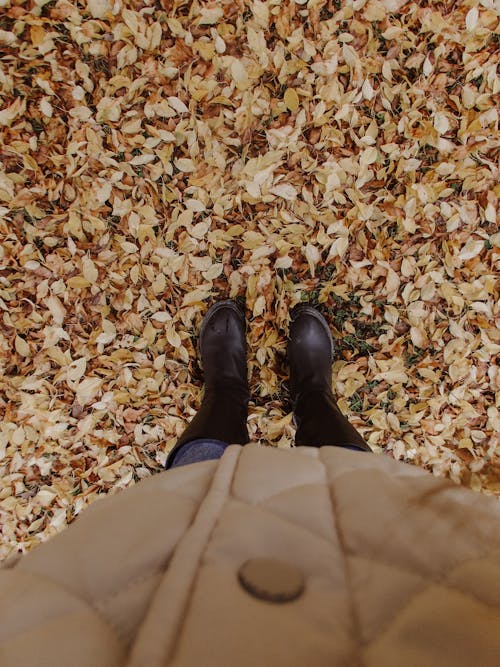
222	344
310	331
224	322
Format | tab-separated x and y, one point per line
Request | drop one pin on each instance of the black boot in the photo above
310	353
224	408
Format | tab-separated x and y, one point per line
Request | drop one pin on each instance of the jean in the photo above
207	449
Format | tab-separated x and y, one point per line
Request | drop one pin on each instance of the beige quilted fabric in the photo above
401	568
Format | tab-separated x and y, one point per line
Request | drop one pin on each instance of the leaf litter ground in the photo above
159	156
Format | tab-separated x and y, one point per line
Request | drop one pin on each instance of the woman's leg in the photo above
222	415
320	422
202	449
317	416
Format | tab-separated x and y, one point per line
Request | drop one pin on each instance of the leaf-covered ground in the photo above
159	156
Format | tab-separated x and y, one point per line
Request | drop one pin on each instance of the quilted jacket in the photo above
400	568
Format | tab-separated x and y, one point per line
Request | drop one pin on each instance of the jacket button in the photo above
272	580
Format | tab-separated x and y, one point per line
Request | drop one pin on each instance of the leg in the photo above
223	412
202	449
317	416
320	422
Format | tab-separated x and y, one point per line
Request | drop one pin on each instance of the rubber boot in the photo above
222	348
310	354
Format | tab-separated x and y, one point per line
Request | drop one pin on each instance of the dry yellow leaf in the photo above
57	310
213	272
76	369
185	165
159	362
37	34
88	389
89	270
239	74
77	282
22	347
129	248
291	100
172	336
99	8
7	38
